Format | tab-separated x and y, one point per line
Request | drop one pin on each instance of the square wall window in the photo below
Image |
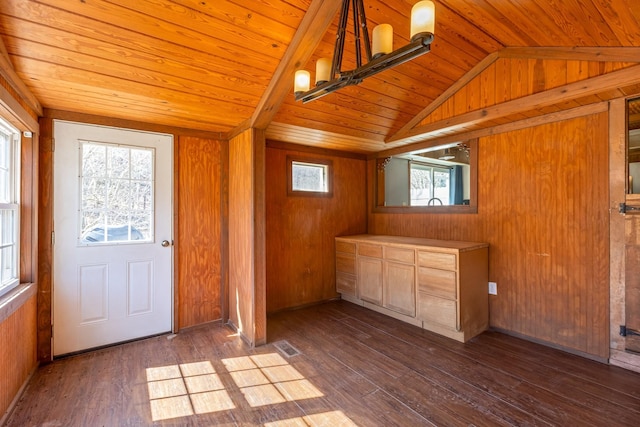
309	177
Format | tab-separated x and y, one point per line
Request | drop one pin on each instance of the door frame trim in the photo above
617	194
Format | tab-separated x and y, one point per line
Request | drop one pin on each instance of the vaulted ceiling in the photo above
221	65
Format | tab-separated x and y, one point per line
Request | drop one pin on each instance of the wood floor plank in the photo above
549	368
436	401
552	404
355	367
613	377
554	391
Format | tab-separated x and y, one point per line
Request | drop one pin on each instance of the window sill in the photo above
13	300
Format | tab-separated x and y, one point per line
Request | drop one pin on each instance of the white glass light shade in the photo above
382	40
423	18
323	70
302	81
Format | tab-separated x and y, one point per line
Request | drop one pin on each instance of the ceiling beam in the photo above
9	74
604	83
598	54
557	116
314	25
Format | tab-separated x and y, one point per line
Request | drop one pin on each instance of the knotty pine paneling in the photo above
198	254
543	208
17	351
512	78
246	236
301	230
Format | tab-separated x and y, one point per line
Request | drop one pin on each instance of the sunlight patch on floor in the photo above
184	390
267	379
188	389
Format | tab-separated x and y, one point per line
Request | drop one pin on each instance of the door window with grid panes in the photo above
116	189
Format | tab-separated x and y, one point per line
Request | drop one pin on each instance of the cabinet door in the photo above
400	288
370	280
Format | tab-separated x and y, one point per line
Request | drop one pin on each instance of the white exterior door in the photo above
113	235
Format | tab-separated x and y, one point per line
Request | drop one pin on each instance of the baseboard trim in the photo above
552	345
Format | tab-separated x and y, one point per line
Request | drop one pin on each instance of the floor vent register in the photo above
287	349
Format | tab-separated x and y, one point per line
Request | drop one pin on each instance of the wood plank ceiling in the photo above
218	65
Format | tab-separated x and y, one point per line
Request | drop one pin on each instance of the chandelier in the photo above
379	52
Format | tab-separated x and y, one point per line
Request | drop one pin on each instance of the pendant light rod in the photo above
419	45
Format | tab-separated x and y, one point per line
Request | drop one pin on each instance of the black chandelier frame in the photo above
419	45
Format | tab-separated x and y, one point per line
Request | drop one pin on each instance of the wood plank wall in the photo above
301	230
45	249
17	351
246	236
543	208
512	78
199	245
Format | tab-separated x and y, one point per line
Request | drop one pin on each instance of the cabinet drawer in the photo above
437	310
437	282
346	283
407	256
346	263
437	260
346	247
374	251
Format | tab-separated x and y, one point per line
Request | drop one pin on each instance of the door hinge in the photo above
53	238
624	331
624	208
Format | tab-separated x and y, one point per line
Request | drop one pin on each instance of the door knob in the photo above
165	243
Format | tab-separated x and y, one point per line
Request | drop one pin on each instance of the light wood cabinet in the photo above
400	288
438	285
370	279
346	268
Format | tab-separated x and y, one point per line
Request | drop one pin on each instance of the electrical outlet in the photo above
493	288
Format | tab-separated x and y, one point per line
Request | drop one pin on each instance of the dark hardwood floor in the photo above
355	367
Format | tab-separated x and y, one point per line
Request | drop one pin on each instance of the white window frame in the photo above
431	168
11	203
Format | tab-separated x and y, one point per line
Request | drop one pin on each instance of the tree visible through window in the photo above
309	177
430	185
117	192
